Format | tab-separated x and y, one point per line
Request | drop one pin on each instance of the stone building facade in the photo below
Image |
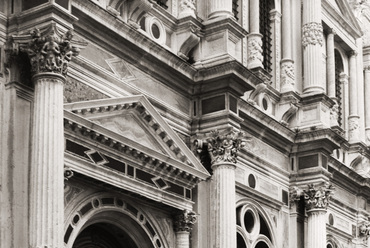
184	123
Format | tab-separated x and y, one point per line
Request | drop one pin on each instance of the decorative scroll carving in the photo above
187	8
222	147
48	51
137	10
185	221
317	198
364	230
312	34
260	88
288	114
255	50
192	39
114	6
334	113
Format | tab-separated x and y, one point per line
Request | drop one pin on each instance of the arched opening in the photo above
104	235
338	87
265	29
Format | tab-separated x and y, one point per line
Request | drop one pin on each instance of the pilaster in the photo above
330	64
49	52
343	79
312	41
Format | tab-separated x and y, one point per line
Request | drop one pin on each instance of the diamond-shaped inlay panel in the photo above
96	157
160	183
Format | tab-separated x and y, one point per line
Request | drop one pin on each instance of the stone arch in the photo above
114	210
262	229
344	57
332	242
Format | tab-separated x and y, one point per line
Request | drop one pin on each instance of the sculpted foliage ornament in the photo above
312	34
48	51
224	147
317	198
185	221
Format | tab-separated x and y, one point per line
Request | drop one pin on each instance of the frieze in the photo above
185	221
48	51
312	34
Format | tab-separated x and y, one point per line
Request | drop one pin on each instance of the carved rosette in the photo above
287	75
48	51
185	221
312	34
255	57
317	198
224	148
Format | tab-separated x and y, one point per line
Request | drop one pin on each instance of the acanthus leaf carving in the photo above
317	197
185	221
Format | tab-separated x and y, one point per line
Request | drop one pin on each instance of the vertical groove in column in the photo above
46	182
330	64
225	216
316	229
367	103
182	239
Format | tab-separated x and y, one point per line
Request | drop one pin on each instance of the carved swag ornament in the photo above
48	51
185	221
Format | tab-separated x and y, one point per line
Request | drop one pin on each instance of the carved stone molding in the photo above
312	34
317	197
185	221
222	147
49	50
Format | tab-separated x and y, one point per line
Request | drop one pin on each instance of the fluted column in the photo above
330	63
312	41
316	203
343	79
287	63
367	103
183	225
49	53
222	149
254	37
220	8
353	119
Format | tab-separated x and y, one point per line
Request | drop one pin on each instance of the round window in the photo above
331	219
251	181
265	104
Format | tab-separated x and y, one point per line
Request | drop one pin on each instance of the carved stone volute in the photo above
317	198
185	221
49	51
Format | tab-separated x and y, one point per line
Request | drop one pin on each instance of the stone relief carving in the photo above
334	111
185	221
353	128
70	192
287	74
48	51
255	49
312	34
317	197
364	230
186	5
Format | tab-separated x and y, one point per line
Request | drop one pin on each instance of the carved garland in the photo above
312	34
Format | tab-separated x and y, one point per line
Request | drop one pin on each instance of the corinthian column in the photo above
183	225
254	37
316	202
287	64
312	41
49	53
223	148
367	103
353	118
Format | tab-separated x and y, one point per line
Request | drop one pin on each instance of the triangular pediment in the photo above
344	12
135	123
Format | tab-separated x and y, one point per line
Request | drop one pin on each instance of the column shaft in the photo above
220	8
330	64
182	239
286	29
316	229
312	42
47	180
353	119
254	37
254	16
224	205
367	103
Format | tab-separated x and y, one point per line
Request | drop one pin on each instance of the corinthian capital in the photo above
317	197
185	221
49	50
